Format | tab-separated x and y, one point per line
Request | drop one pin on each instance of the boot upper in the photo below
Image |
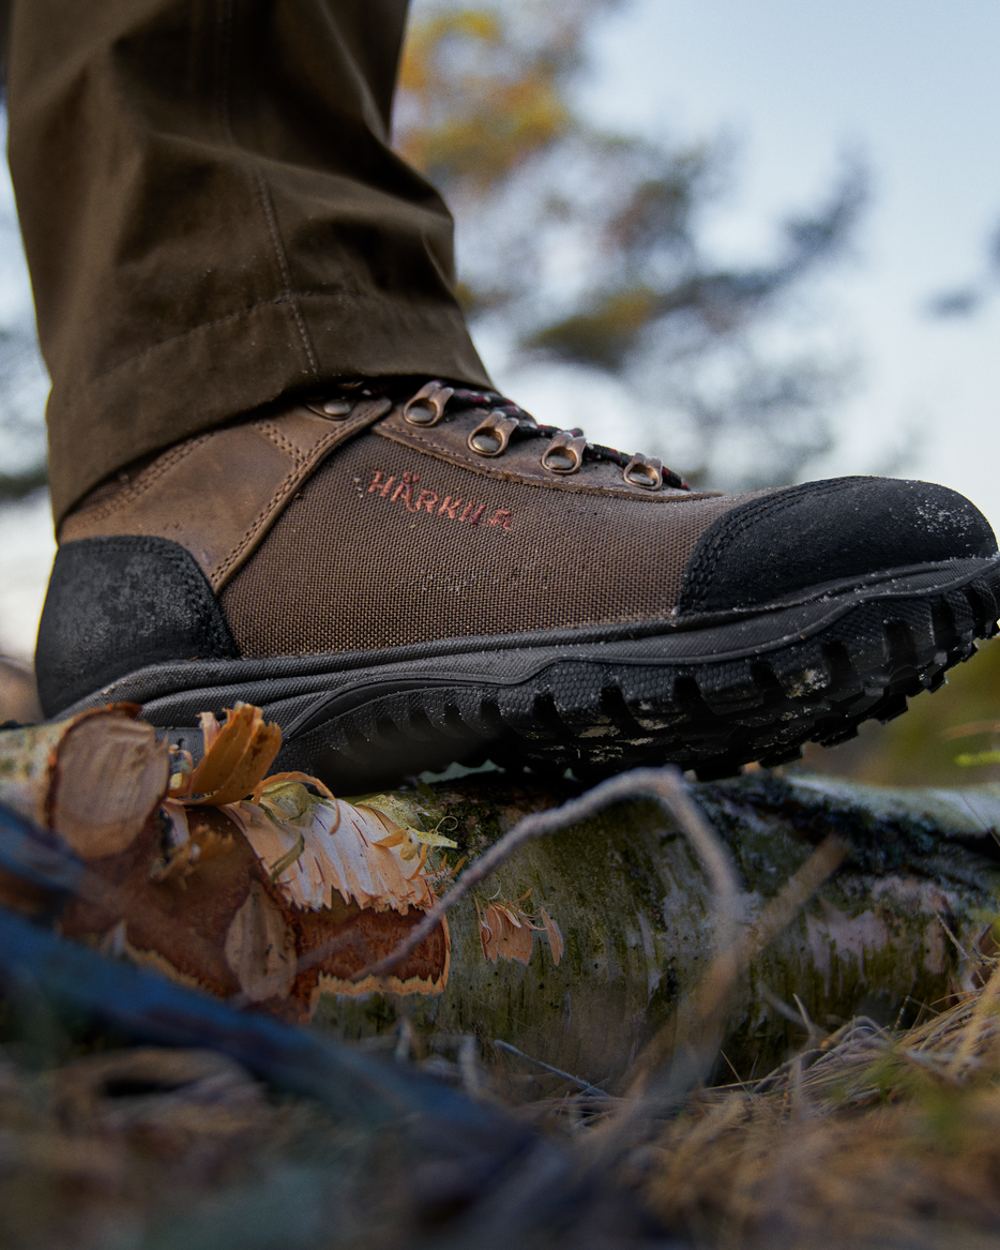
360	523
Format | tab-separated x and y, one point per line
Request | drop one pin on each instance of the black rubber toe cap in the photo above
805	536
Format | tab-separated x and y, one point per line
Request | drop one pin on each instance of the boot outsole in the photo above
710	696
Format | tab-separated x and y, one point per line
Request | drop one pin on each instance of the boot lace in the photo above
567	450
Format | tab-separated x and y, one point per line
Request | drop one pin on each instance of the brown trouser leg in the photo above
213	216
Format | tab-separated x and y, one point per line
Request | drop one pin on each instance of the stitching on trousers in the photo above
276	300
263	193
386	308
267	205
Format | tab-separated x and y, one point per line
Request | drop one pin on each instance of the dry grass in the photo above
872	1138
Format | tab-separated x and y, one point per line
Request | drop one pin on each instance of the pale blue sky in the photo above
912	88
911	85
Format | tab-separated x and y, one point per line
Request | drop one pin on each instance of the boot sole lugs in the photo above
709	694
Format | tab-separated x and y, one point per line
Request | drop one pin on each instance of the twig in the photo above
665	785
145	1006
681	1053
953	939
586	1087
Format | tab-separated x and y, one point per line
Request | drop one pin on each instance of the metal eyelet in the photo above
492	434
564	453
646	472
335	409
427	406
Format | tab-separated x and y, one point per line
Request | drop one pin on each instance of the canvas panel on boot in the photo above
403	583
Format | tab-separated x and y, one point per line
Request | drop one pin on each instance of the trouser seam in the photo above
262	191
386	306
267	205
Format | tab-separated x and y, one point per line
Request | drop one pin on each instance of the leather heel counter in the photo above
117	604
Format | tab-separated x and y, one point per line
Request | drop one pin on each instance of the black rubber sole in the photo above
709	694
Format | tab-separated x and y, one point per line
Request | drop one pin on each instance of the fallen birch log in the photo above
900	927
97	778
576	951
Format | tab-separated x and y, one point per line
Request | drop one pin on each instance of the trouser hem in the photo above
221	369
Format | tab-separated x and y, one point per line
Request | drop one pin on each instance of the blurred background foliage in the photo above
23	385
972	296
583	246
936	743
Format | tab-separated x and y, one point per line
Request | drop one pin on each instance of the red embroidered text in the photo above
407	492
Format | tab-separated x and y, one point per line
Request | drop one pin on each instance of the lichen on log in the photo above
895	928
577	950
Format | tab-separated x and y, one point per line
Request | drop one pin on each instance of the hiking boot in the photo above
403	579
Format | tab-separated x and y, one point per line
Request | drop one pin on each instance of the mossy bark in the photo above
894	931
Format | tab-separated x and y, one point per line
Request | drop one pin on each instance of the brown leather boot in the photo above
405	581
